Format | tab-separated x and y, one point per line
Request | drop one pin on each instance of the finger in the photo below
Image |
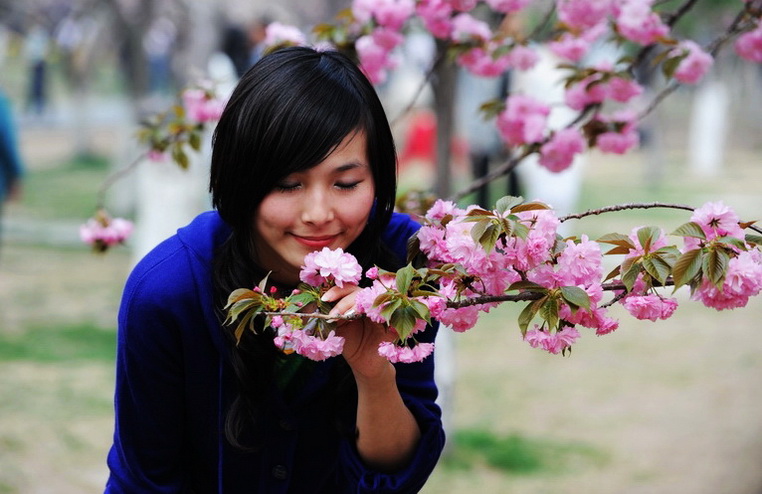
336	292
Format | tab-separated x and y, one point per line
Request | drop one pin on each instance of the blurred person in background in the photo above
11	168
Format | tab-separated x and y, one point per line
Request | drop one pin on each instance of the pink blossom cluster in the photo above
376	53
749	45
622	134
552	342
643	305
605	84
329	266
743	278
202	105
395	353
305	341
103	232
514	258
587	19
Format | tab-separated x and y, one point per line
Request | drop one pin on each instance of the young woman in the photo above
303	159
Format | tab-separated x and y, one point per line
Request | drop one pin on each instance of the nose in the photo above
317	208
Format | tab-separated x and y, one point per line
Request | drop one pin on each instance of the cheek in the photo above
358	214
271	214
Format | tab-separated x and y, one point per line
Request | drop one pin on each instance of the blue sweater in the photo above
174	384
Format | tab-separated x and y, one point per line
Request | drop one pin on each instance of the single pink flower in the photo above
717	220
749	45
201	106
329	265
278	33
466	27
583	14
581	263
523	57
637	22
695	65
651	307
558	153
523	121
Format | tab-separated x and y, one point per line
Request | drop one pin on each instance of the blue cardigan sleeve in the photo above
419	392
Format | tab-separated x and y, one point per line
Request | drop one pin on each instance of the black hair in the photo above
287	114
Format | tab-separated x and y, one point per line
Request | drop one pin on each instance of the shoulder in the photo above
179	266
399	230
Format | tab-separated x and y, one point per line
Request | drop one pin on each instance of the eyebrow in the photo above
350	166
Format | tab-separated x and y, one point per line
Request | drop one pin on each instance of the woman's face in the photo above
327	205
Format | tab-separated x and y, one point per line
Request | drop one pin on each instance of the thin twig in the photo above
117	175
622	207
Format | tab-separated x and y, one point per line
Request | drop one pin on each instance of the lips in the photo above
316	242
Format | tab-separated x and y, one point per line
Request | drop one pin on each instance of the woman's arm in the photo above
387	432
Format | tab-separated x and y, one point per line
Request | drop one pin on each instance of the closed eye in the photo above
287	186
348	185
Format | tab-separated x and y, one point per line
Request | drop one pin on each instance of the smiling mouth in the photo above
316	242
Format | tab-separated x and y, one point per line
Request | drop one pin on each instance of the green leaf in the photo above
690	229
194	139
526	285
614	273
405	278
529	206
617	250
715	266
687	267
478	230
647	236
421	310
403	320
489	238
650	267
616	239
549	312
576	296
754	239
735	242
520	230
507	203
631	275
391	308
263	283
526	316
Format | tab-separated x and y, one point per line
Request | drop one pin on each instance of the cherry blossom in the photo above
694	65
328	265
201	105
749	45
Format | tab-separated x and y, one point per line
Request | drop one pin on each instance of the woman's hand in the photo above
387	433
361	336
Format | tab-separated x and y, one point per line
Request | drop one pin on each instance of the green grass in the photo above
516	454
50	344
66	191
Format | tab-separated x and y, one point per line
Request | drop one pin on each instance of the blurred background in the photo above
668	407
